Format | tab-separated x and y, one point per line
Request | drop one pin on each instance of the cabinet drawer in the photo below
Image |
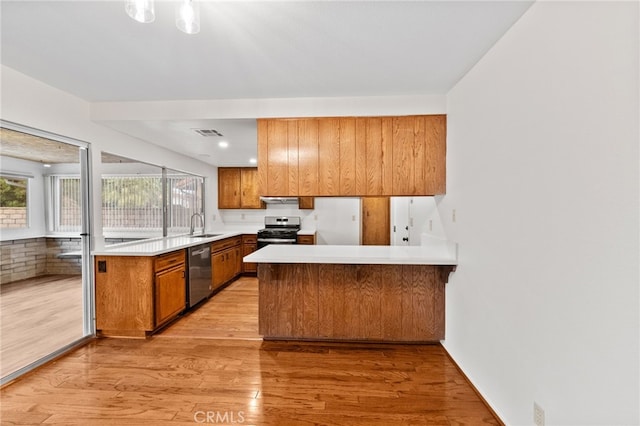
169	260
249	239
226	243
306	239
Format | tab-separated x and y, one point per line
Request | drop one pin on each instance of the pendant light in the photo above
188	16
140	10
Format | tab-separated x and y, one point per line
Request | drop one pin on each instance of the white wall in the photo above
542	169
332	218
29	102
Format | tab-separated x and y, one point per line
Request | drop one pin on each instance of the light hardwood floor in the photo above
183	375
38	316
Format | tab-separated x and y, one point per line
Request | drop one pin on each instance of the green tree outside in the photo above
13	192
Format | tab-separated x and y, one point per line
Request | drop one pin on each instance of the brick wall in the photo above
56	265
21	259
13	217
32	257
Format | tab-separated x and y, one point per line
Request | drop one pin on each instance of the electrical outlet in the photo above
453	215
242	216
315	217
538	414
430	225
353	218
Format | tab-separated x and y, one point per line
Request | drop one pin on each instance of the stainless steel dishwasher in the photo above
199	277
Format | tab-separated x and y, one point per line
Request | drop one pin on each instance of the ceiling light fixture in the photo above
188	17
223	144
140	10
187	13
252	161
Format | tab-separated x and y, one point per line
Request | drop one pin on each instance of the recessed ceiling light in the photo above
223	144
46	165
253	160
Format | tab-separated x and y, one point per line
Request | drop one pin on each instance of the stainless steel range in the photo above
279	230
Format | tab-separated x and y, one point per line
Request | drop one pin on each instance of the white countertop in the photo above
160	245
156	246
435	253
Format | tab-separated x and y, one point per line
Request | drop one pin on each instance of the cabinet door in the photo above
249	198
170	294
248	248
236	261
403	156
329	156
229	188
306	203
308	156
376	228
219	267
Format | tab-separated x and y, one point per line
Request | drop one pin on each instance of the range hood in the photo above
279	200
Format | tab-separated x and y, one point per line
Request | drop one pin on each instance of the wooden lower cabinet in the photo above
249	245
170	294
135	295
226	260
307	239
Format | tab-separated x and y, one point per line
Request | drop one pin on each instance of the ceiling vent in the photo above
207	132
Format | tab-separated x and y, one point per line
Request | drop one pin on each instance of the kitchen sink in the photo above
204	235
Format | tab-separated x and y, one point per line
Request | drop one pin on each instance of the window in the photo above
130	203
184	194
67	203
13	202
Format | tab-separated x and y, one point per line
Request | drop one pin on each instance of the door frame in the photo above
88	294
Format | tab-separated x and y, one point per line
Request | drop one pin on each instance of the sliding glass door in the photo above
46	296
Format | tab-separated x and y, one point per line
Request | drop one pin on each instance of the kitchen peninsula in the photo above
353	293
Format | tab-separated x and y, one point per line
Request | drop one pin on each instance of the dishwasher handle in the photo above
200	252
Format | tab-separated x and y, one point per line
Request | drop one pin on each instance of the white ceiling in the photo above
248	50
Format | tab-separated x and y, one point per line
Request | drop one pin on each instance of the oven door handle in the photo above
276	240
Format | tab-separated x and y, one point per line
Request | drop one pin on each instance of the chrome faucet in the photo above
191	228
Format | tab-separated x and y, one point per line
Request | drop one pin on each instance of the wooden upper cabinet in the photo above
238	188
308	157
352	156
249	197
229	187
329	156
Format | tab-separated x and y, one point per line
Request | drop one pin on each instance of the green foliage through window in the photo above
13	192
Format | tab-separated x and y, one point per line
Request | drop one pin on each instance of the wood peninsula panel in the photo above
329	156
124	295
391	303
